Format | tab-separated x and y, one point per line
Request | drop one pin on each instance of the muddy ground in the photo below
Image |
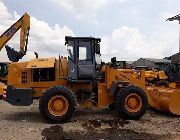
27	123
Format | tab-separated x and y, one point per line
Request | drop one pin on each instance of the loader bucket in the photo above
165	99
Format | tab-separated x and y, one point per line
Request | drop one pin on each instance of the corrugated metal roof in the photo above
176	58
4	62
129	62
157	60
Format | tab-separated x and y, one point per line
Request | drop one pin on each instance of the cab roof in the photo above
67	38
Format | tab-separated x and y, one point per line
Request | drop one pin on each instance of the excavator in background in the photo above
167	98
14	56
153	76
164	77
157	77
174	71
167	77
24	24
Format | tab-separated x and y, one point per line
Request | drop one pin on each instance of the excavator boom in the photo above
24	24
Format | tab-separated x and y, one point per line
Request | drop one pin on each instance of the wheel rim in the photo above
133	102
58	105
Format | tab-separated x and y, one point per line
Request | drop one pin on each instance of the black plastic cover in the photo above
19	96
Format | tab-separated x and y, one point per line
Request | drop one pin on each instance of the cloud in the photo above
85	10
82	9
128	43
124	42
172	1
46	40
134	10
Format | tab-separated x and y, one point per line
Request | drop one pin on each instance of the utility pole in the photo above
177	17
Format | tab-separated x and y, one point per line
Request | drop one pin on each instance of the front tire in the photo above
131	102
57	104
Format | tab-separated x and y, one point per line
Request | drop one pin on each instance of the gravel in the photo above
27	123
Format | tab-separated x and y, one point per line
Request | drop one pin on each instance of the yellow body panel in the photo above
2	87
151	74
16	77
172	85
162	75
158	75
41	63
104	98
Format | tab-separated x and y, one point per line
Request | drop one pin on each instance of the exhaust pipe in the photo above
36	54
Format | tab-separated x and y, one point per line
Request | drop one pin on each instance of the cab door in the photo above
72	60
86	64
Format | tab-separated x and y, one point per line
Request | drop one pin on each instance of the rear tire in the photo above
57	104
131	102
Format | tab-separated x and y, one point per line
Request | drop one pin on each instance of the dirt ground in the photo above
27	123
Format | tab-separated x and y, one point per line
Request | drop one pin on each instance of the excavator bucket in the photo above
13	55
165	99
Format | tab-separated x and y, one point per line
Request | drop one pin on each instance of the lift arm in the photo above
24	24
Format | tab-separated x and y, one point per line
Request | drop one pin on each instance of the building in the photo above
151	63
129	64
175	59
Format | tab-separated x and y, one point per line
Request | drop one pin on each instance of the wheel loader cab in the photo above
3	72
3	69
83	53
173	72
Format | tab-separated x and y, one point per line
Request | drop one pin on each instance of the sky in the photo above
129	29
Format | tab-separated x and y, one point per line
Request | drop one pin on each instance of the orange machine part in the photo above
165	99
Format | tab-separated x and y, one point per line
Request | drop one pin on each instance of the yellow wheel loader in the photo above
164	95
157	77
168	76
63	83
3	76
3	72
